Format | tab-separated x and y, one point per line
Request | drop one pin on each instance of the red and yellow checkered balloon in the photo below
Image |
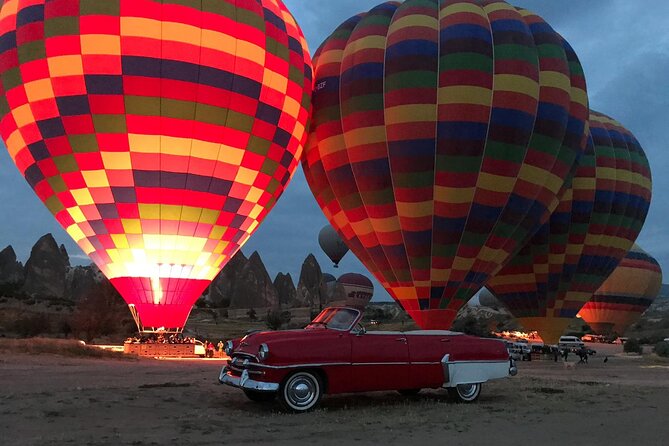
158	133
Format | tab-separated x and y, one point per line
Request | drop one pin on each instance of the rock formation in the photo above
81	280
310	288
285	288
46	269
11	270
253	287
220	290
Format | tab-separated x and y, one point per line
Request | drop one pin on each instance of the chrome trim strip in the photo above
244	382
381	363
249	355
323	364
497	361
292	366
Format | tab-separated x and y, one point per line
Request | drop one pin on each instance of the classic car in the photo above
336	354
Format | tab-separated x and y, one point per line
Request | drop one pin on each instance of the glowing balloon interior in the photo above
158	133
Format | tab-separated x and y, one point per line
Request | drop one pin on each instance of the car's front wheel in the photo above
300	391
465	393
259	397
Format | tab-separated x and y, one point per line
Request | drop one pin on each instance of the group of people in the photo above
161	338
210	349
582	353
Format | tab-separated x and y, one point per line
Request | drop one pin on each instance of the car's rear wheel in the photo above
409	392
300	391
465	393
259	397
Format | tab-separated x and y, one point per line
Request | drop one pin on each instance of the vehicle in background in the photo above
200	348
593	338
518	351
570	342
620	340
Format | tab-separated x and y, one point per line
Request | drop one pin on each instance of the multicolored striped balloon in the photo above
158	133
598	219
442	134
625	295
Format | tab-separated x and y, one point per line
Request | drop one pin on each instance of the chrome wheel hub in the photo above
467	390
301	391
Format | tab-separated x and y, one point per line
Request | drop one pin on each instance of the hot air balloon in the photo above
599	217
625	295
441	136
159	134
358	290
332	245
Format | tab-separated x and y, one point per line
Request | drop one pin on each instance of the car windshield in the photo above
335	318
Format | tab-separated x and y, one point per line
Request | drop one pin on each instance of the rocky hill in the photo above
244	282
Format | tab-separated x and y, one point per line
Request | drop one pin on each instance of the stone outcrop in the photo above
46	269
220	290
80	280
11	270
243	283
253	288
310	291
285	288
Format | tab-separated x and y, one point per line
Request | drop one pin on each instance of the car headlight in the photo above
228	347
263	352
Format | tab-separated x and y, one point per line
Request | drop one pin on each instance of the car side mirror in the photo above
361	331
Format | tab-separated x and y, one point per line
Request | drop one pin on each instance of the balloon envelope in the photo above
332	245
598	218
625	295
442	133
358	290
159	134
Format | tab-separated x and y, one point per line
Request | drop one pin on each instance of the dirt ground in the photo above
54	400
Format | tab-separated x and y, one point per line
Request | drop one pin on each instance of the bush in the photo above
632	345
277	318
31	325
662	349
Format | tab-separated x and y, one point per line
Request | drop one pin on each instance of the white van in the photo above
571	342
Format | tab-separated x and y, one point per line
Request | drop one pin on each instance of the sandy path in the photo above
47	400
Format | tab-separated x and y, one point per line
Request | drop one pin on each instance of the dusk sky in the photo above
623	46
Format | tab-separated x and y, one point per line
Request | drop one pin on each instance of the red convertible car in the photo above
335	354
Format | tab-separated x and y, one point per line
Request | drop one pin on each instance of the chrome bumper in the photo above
244	382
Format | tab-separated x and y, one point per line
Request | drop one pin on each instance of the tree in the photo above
101	312
252	315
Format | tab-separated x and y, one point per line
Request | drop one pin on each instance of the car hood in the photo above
282	344
252	341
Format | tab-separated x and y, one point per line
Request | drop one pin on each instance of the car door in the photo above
380	361
425	354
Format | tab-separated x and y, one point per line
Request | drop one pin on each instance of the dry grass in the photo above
61	347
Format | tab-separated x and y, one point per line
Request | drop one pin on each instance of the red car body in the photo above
342	357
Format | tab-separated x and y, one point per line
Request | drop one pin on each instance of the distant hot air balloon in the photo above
159	134
599	217
358	290
625	295
332	245
442	133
